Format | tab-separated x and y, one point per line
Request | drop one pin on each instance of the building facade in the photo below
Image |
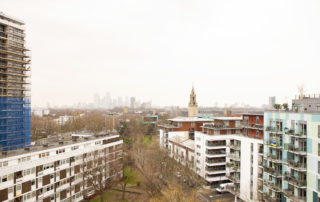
291	152
15	111
59	171
230	150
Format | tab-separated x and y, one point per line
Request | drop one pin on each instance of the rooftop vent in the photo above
27	148
60	142
4	153
45	145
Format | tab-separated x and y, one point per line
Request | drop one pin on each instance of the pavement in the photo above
213	196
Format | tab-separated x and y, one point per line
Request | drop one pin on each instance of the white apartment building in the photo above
221	153
182	148
59	171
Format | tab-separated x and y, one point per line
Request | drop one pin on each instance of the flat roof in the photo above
53	144
228	118
252	114
13	19
189	119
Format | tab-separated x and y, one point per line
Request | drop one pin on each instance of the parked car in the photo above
224	187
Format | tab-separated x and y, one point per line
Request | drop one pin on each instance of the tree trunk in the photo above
101	197
123	190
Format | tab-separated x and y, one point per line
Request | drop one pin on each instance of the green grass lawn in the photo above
147	140
111	195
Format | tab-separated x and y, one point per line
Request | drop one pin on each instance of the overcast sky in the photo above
232	50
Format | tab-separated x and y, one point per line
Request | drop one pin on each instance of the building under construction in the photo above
15	111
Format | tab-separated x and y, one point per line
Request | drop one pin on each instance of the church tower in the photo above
193	106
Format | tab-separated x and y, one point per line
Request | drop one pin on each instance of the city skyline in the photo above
244	59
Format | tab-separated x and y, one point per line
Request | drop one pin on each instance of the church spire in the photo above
193	105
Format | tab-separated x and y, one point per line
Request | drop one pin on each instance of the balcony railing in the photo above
298	150
211	161
234	178
234	147
211	144
298	134
274	144
274	129
269	197
215	169
297	165
215	152
274	158
253	126
274	186
294	180
234	157
273	171
289	193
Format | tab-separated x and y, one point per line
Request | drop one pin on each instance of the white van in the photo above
224	187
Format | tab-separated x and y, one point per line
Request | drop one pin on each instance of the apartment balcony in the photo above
234	178
297	165
214	170
276	187
271	198
233	165
290	195
275	130
296	150
253	126
234	157
213	162
272	171
235	147
274	158
216	153
213	144
299	134
300	183
275	145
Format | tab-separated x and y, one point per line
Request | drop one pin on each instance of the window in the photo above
318	131
319	167
318	108
192	124
257	133
257	120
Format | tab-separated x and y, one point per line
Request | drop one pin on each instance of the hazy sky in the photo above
232	50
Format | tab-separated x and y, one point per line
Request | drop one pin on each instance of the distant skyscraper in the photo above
272	102
126	103
108	100
15	110
132	102
96	100
120	103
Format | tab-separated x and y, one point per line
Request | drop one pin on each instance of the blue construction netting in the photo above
15	123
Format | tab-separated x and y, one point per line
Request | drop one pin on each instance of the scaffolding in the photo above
15	123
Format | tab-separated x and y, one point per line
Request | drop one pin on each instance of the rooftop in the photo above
74	139
12	19
183	139
189	119
228	118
